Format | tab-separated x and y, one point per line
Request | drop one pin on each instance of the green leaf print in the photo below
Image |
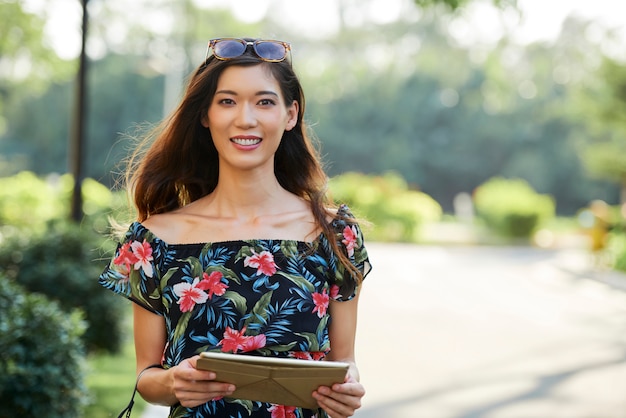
196	267
299	281
289	248
181	327
245	403
179	412
311	339
227	273
135	282
238	300
245	251
282	348
259	312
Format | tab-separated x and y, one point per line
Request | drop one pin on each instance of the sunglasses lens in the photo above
228	49
274	51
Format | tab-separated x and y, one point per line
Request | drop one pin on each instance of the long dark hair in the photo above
178	162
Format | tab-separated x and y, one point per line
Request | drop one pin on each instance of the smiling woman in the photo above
237	249
248	114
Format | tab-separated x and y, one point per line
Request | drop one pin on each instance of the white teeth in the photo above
246	141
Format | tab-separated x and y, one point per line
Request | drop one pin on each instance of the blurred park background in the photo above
443	122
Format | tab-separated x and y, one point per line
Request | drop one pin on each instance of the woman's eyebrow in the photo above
258	93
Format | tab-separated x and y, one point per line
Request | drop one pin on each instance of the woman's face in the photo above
248	116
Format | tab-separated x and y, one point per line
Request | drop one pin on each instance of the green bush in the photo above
64	262
617	237
511	207
31	202
617	247
41	356
387	202
27	200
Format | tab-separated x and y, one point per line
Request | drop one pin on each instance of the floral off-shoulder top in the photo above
259	297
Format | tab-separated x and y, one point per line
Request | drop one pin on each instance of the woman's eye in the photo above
266	102
226	101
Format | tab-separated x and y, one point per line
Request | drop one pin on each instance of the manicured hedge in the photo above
511	207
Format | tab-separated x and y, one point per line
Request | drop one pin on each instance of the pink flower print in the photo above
143	254
189	295
213	283
235	341
349	239
334	292
282	411
263	262
321	303
307	355
252	343
125	259
301	355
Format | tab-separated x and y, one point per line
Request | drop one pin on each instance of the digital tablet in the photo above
283	381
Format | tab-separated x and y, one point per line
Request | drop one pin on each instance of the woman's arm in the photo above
182	383
342	399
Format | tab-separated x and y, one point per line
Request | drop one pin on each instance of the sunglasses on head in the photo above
267	50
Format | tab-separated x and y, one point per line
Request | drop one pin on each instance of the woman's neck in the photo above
249	196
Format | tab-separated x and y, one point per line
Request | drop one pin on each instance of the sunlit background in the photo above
486	143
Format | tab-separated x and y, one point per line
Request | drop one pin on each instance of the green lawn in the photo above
111	379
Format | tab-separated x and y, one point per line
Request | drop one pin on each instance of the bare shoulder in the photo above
166	226
205	223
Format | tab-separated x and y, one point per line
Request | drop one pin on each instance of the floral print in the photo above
349	239
264	263
321	303
259	297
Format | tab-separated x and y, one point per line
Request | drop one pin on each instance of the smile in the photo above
246	142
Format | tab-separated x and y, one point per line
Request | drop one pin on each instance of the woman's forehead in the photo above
245	77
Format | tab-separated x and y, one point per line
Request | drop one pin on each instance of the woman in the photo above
236	248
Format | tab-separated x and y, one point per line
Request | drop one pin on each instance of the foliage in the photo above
63	262
27	62
123	91
604	157
407	96
511	207
30	201
616	243
111	378
41	356
617	247
447	125
396	212
26	199
22	38
456	4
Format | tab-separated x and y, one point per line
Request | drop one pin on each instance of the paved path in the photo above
485	332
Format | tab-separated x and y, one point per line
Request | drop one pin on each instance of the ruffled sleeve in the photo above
134	269
350	240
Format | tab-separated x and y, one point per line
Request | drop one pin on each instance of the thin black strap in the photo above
129	407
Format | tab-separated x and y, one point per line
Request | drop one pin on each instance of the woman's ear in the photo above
292	114
204	120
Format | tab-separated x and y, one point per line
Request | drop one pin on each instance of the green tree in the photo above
456	4
604	110
27	61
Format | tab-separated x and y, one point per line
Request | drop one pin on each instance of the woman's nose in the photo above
246	116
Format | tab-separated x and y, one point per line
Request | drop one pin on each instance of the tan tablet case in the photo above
276	380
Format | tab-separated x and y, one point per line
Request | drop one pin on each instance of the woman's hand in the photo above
342	399
193	387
